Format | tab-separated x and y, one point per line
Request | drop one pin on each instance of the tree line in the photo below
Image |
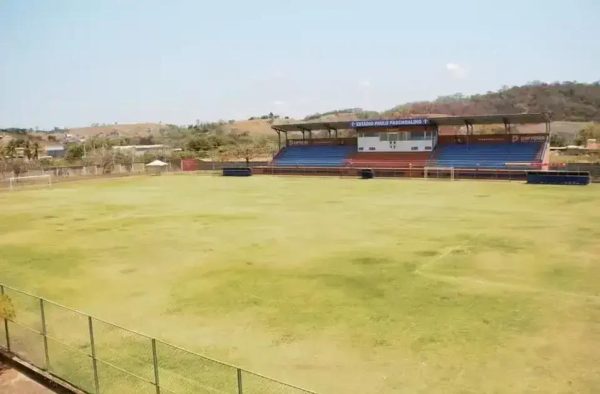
570	101
204	141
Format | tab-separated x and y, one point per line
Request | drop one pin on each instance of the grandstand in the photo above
412	143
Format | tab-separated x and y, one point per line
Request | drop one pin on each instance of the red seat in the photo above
389	159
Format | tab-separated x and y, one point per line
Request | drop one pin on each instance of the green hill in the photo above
573	106
567	101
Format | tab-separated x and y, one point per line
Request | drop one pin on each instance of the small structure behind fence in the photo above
101	357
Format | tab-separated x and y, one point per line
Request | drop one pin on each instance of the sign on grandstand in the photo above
529	138
390	122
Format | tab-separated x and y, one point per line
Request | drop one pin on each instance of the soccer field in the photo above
336	285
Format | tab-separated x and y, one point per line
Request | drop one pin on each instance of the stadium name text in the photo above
529	138
390	122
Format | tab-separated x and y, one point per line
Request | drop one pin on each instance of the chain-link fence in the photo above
100	357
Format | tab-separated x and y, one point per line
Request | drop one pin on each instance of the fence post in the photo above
44	334
239	380
5	324
94	363
155	361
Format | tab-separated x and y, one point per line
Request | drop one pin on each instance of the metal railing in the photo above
97	356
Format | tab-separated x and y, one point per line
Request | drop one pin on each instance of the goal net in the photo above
438	173
32	180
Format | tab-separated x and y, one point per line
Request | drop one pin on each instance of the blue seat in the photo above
486	155
314	155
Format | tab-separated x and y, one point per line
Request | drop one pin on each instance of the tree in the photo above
35	150
252	149
247	151
184	154
3	163
148	140
96	142
590	132
27	151
214	157
11	149
103	157
557	140
125	159
199	143
45	162
17	166
74	152
7	309
224	153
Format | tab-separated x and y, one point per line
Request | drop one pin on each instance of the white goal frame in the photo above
12	181
426	171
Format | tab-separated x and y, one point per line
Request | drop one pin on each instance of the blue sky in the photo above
72	63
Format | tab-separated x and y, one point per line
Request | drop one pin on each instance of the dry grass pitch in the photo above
337	285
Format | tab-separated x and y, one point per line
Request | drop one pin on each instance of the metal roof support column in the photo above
434	135
304	130
507	126
330	129
469	130
467	125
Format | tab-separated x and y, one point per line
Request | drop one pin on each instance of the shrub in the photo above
7	309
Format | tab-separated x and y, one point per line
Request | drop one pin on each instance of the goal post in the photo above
29	180
438	173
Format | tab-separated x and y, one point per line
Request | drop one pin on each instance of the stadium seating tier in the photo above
314	155
388	159
477	155
486	155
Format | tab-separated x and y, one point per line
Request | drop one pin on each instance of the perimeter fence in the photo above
97	356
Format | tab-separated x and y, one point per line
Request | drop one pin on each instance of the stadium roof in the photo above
417	121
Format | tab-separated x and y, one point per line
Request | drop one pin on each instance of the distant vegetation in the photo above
567	101
571	101
15	130
590	132
270	116
23	150
358	113
210	140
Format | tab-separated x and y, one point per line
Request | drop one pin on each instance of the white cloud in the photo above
278	103
457	71
365	84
